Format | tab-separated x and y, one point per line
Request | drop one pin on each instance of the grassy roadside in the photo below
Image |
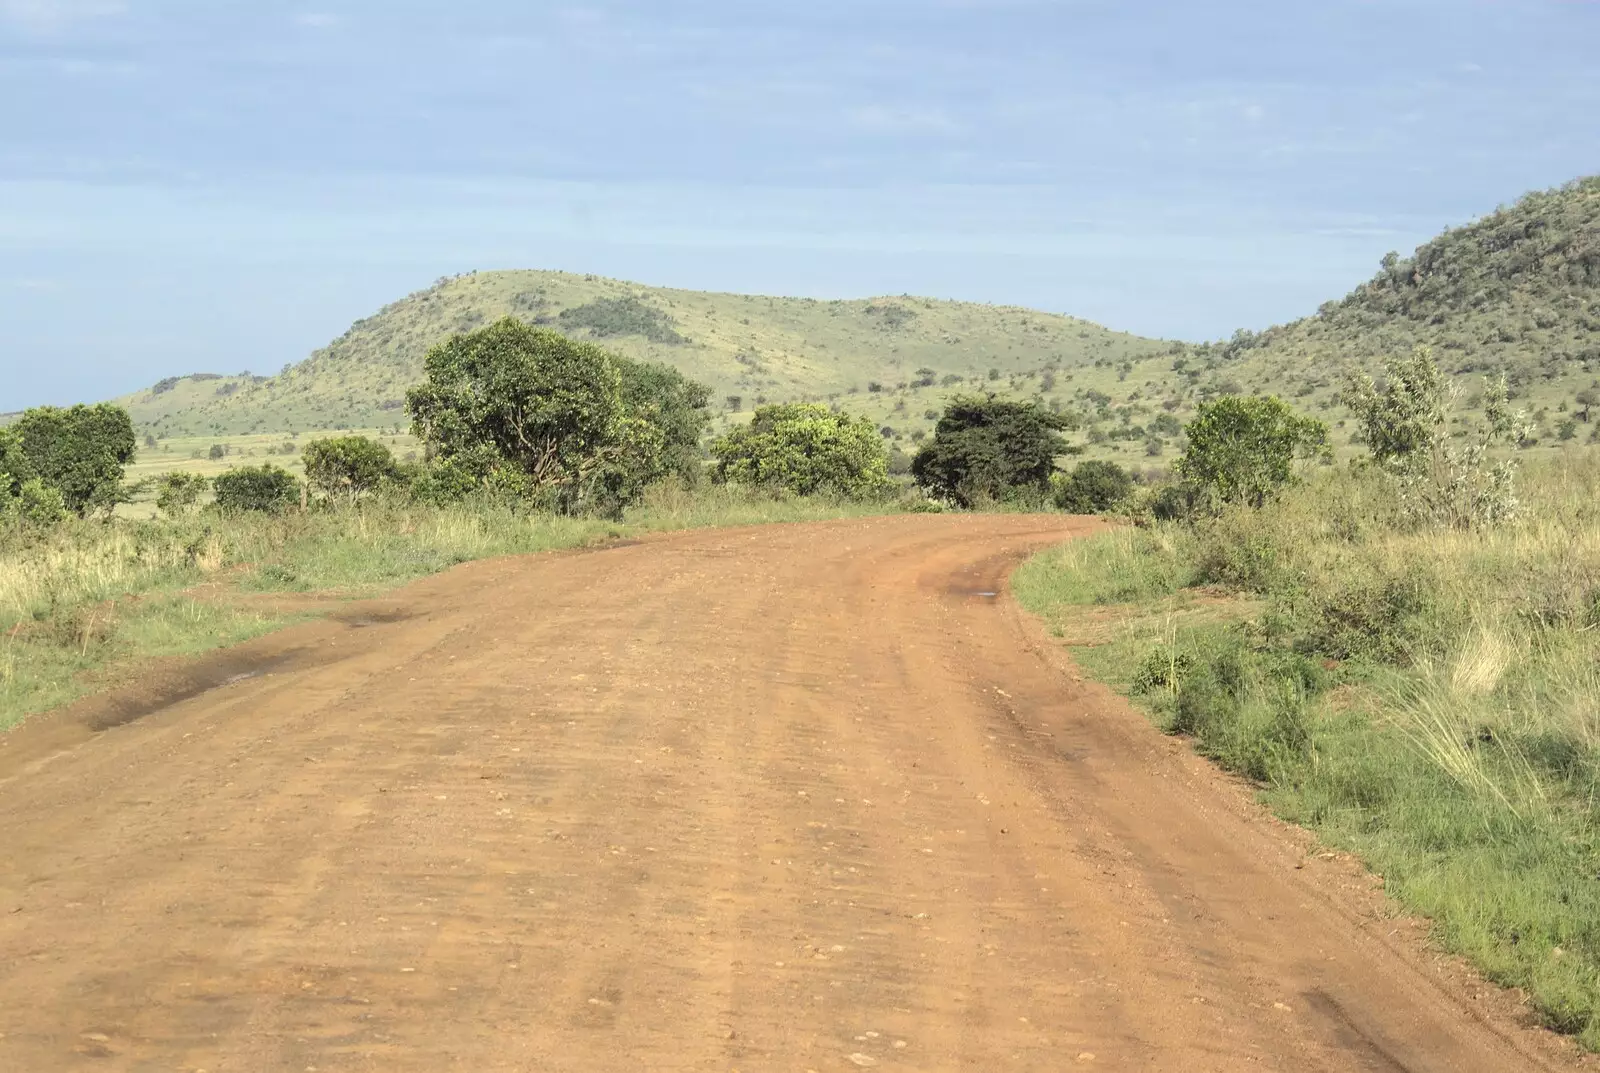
84	604
1427	700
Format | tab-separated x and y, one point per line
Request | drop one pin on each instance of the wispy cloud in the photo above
54	14
894	119
318	20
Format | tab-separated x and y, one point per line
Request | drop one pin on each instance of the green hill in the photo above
1515	292
755	348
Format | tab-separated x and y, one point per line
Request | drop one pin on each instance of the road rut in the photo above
798	798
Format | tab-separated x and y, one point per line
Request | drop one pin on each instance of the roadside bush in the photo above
1092	487
986	449
79	452
348	467
264	488
1243	450
806	449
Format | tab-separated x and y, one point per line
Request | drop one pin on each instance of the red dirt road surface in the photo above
794	798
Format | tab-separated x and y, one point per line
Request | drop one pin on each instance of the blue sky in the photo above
223	185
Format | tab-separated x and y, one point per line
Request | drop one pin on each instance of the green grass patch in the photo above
1429	701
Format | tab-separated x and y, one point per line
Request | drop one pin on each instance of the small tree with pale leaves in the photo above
1405	423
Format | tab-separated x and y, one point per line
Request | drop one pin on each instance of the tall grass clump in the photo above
1426	695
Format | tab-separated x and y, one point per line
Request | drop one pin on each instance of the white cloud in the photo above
54	14
891	119
317	20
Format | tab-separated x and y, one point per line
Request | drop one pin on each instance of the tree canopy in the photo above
80	452
348	467
989	448
807	449
264	488
529	412
1243	449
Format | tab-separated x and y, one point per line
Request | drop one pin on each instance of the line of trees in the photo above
528	415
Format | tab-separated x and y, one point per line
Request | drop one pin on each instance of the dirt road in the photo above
797	798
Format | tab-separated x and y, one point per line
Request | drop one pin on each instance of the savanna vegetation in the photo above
531	441
1360	567
1399	652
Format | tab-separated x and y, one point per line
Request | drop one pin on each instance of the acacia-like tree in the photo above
989	448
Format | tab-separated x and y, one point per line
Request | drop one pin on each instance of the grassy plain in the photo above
1428	700
86	603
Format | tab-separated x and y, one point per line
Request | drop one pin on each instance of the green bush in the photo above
79	452
348	467
807	449
264	488
986	449
1092	487
1243	450
177	493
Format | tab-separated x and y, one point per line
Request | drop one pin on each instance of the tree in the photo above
1243	449
1406	424
989	448
177	493
348	467
807	449
217	452
528	412
1092	487
264	488
1588	398
80	452
23	496
675	405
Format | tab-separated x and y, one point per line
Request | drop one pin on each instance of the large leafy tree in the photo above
530	412
989	448
80	452
348	467
807	449
1243	449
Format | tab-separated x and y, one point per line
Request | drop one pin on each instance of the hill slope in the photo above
1516	292
741	345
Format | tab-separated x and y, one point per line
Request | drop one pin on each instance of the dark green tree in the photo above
1092	487
989	448
23	496
1243	449
80	452
807	449
348	467
264	488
